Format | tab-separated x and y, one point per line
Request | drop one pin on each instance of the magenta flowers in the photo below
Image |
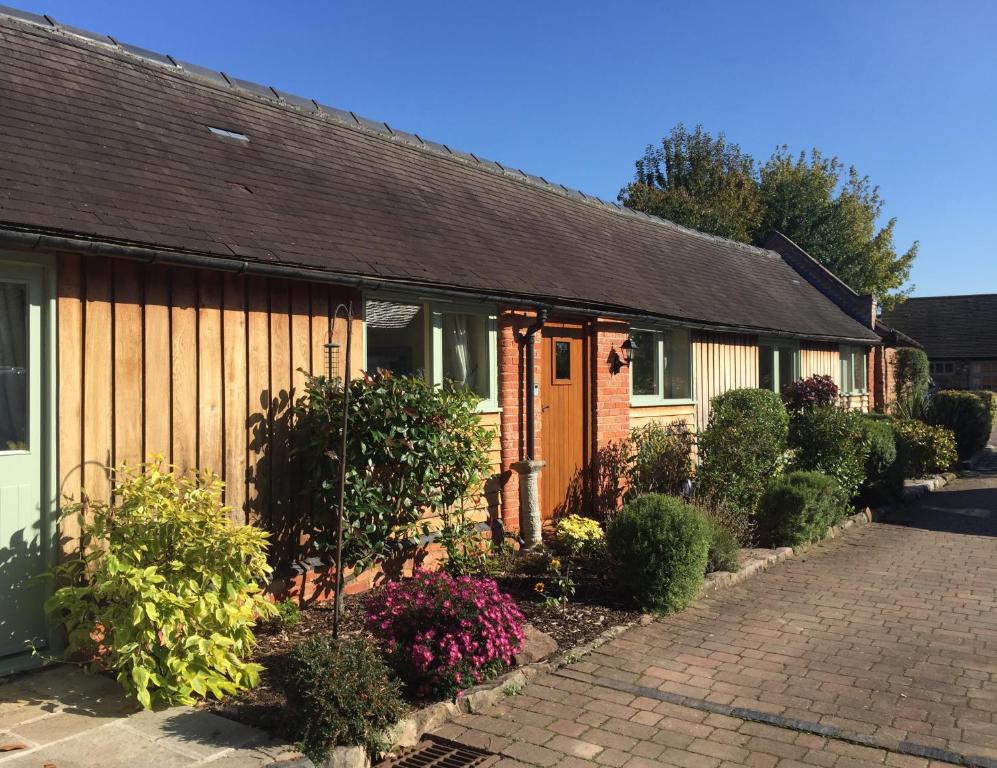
445	634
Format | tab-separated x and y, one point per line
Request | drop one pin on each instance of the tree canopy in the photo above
829	210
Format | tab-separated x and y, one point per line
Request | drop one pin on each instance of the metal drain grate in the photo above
434	752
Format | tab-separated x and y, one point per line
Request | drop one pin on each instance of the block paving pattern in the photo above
888	634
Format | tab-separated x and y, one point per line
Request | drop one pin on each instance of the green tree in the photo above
832	214
699	182
831	211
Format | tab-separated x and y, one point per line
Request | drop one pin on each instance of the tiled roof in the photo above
949	326
114	143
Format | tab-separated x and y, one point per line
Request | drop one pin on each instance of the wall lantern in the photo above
628	348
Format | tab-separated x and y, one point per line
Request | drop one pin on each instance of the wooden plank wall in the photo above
721	361
197	366
663	414
818	359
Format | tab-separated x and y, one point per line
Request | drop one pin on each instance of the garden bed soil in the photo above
592	611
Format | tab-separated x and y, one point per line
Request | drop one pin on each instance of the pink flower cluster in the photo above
444	633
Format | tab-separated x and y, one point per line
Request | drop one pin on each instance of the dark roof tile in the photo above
949	326
87	125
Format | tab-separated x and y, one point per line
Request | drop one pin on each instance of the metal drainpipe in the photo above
531	417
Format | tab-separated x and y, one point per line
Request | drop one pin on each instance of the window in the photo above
437	342
853	370
562	361
778	364
661	366
13	367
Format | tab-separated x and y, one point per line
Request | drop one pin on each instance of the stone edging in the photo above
408	731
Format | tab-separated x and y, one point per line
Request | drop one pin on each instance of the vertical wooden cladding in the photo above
197	366
721	362
818	359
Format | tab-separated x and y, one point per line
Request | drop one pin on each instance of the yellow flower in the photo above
555	564
539	587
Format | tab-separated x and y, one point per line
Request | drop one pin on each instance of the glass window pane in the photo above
858	368
13	367
562	360
396	338
644	363
766	367
465	352
787	366
677	365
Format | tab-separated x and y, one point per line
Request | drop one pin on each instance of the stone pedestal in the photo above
530	525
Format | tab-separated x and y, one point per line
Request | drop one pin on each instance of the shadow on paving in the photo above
960	508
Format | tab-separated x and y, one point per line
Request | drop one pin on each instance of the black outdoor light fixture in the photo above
628	348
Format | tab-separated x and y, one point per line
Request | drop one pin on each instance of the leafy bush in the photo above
577	534
911	372
165	592
341	693
809	393
884	476
444	634
743	446
723	550
740	524
832	441
411	447
799	508
661	458
288	613
660	544
923	449
990	403
967	415
470	551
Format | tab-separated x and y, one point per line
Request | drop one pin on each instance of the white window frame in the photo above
432	312
845	354
776	343
658	397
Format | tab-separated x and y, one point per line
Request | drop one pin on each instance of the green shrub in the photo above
166	590
923	449
910	373
411	447
832	441
799	507
967	415
723	550
660	544
990	403
340	693
288	613
661	458
884	475
743	446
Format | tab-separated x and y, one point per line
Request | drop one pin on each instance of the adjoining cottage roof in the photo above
117	144
949	326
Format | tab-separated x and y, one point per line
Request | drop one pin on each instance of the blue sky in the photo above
573	91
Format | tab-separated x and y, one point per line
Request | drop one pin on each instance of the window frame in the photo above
658	398
433	311
775	343
845	352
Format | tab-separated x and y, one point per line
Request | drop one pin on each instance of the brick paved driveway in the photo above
884	637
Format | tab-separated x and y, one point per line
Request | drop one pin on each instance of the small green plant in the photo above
923	449
832	441
799	507
967	415
884	475
579	535
513	689
341	693
660	545
723	553
288	613
166	589
469	553
558	587
660	458
743	446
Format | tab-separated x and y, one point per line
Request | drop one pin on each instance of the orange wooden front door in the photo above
564	426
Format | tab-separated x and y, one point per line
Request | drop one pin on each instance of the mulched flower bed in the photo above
594	609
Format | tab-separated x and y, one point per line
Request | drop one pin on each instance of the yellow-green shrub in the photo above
923	449
166	590
579	534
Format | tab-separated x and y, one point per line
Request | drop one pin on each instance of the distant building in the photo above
959	334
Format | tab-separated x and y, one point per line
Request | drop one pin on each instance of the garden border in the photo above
408	731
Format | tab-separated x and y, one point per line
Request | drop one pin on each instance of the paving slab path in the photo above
876	648
63	718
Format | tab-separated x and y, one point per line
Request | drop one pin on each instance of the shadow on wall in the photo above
599	488
21	593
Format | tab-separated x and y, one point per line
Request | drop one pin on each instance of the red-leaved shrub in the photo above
805	394
444	634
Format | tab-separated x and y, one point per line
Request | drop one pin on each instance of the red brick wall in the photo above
882	369
512	400
610	410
